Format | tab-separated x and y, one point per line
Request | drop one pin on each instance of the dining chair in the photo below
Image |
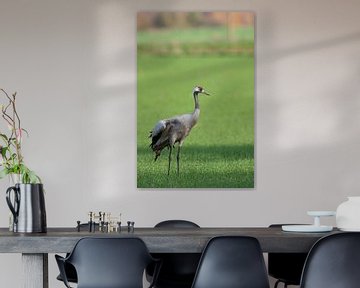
232	262
285	267
108	263
333	262
178	269
69	269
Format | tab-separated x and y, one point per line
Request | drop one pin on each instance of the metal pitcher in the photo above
28	207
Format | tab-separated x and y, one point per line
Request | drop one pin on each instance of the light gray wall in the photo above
73	64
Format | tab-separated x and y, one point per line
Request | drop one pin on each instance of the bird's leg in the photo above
170	147
178	159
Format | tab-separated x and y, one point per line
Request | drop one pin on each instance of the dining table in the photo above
35	247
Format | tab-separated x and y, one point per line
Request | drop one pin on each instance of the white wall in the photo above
73	64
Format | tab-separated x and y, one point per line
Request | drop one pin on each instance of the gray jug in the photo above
28	208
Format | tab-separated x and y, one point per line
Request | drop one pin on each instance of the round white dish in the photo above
306	228
321	213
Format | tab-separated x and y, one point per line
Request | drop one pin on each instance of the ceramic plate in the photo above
306	228
321	213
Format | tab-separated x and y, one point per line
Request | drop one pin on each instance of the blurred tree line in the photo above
195	33
159	20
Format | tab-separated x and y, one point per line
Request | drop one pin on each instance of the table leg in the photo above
35	270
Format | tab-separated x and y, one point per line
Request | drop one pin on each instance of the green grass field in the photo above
219	152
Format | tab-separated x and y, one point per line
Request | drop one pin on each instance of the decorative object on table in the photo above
28	207
348	214
27	204
102	222
316	227
78	225
181	55
131	226
12	160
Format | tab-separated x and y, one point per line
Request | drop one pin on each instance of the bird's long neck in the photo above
196	113
196	99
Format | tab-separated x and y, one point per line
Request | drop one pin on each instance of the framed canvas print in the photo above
195	99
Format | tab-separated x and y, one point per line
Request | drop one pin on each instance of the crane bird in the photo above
168	132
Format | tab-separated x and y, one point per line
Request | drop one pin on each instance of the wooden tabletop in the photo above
158	240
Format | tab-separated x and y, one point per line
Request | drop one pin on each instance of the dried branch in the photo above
10	153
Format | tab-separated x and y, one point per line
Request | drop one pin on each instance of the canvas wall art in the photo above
195	100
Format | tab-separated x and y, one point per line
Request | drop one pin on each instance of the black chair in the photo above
232	262
69	269
333	262
286	267
178	269
108	262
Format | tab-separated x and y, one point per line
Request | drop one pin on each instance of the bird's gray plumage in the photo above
168	132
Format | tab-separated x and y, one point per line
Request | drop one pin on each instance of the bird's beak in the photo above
204	92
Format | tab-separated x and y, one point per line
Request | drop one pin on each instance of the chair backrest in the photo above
110	262
178	269
287	267
176	224
333	262
232	262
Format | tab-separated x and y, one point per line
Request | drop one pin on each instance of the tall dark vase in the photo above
27	204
